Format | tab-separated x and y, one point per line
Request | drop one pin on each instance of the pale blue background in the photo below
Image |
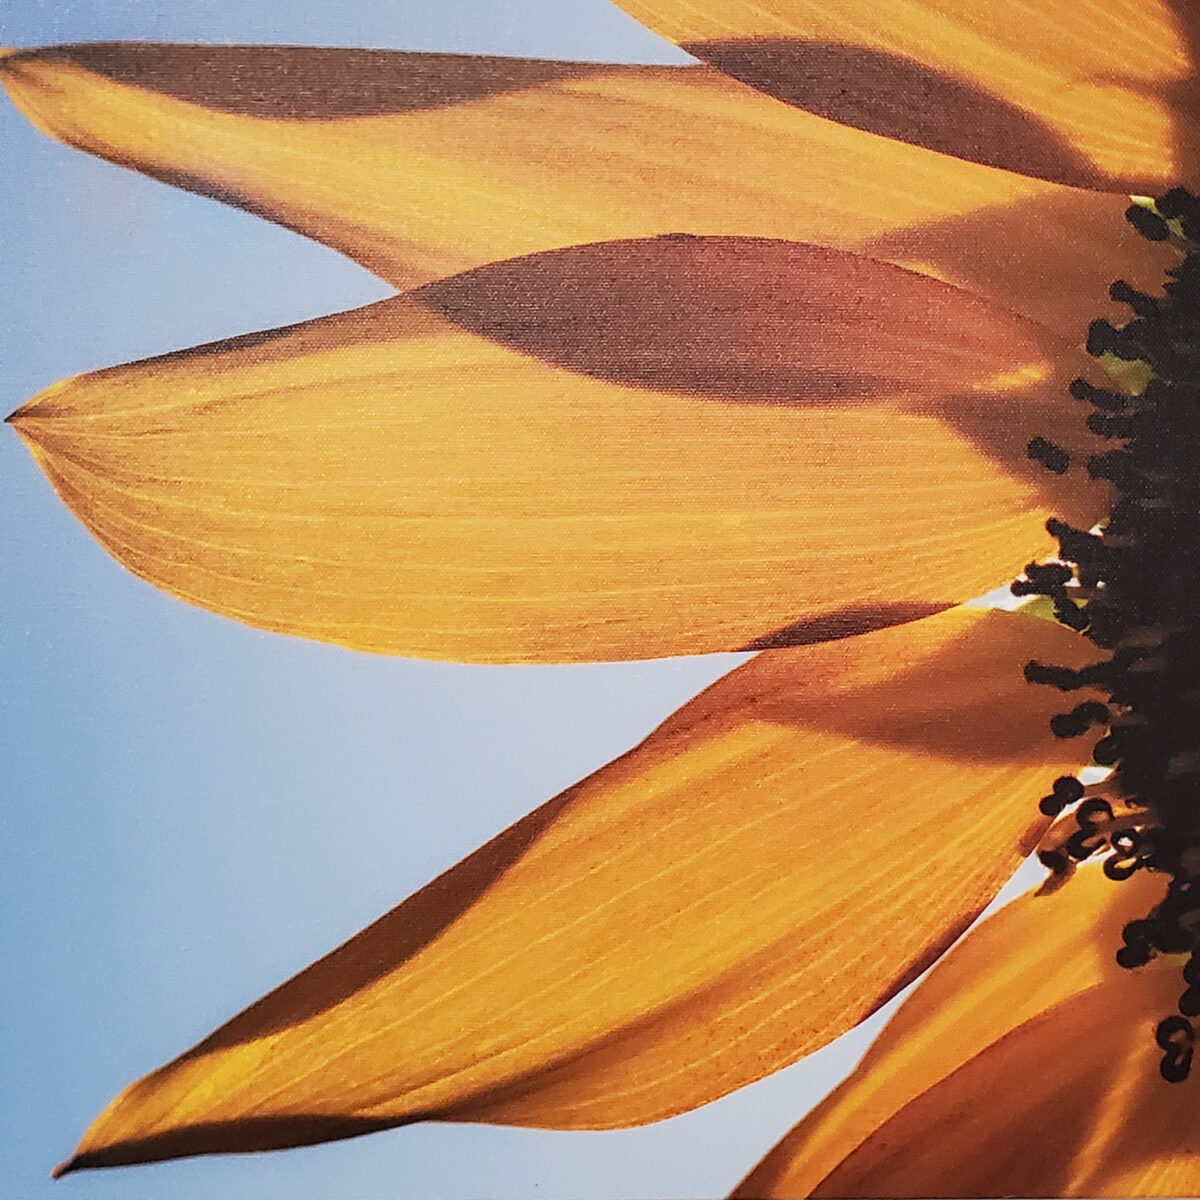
194	810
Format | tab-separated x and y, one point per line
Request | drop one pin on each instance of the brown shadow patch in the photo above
788	1163
698	316
246	1135
1054	1123
1184	95
964	700
1074	245
749	320
1049	257
902	99
731	318
1171	1139
306	83
848	621
1002	426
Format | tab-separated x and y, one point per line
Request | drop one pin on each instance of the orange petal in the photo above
1069	1105
420	165
1024	1065
1095	93
622	450
769	866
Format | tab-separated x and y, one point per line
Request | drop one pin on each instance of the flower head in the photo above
728	375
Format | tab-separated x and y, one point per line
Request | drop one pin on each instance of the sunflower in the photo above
675	367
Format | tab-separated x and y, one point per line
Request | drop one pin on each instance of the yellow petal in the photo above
1024	1065
623	450
1070	1105
777	859
420	165
1096	93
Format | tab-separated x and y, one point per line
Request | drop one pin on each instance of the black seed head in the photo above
1131	586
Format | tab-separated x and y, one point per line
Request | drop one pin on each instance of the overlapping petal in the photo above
421	165
1024	1065
623	450
1095	93
669	445
777	859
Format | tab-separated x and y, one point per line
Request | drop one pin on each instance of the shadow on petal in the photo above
1069	1104
1181	94
847	621
938	699
735	892
1001	426
860	86
1014	971
246	1135
308	83
1094	94
1049	257
738	319
764	321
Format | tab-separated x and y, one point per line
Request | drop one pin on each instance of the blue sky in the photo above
194	810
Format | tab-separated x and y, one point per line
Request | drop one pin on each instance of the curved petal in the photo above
1041	952
1024	1065
420	165
1095	93
630	449
1075	1107
769	866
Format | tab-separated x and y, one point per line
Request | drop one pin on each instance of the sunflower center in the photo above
1132	587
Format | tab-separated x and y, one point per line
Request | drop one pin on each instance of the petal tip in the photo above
66	1167
8	57
47	403
16	419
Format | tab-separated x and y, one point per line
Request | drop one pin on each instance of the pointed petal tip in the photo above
66	1167
16	419
44	404
8	57
18	414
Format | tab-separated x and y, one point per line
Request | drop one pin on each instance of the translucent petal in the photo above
421	165
770	865
1094	93
1024	1065
630	449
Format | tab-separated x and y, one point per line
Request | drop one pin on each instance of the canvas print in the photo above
600	601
